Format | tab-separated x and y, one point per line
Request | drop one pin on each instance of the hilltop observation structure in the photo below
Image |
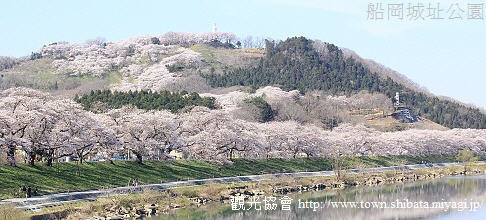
402	112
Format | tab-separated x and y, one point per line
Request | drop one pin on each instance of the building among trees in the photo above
403	113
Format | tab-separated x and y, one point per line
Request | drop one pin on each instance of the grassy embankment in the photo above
189	197
64	177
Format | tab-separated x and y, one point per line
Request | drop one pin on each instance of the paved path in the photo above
36	203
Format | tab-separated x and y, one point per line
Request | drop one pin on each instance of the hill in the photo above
211	63
296	64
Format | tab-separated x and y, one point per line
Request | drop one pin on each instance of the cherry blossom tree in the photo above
83	132
27	122
109	144
149	134
11	133
214	136
42	125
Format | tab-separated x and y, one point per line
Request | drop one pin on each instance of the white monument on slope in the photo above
397	99
214	28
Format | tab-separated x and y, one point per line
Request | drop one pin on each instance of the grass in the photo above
382	121
220	58
41	74
65	177
113	78
8	212
207	53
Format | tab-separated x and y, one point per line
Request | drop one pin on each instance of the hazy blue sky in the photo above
446	56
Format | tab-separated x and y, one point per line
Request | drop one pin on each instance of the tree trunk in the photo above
32	158
80	157
139	158
11	156
50	157
49	162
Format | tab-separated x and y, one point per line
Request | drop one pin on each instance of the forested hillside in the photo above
296	64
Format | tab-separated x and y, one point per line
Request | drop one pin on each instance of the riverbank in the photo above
72	177
153	202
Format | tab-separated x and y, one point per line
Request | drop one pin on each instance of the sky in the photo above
445	56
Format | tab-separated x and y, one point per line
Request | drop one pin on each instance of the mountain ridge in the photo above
401	78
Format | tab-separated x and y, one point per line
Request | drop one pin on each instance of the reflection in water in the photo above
461	190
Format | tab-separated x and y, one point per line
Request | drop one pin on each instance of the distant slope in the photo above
383	121
171	61
385	72
296	64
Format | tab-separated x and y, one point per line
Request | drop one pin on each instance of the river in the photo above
447	198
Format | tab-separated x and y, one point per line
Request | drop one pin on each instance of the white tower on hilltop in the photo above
214	28
397	99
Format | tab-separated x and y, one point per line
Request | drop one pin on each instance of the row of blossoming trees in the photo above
51	128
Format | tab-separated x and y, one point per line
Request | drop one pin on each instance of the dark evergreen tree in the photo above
148	100
266	112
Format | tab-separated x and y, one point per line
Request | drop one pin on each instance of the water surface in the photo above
448	198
